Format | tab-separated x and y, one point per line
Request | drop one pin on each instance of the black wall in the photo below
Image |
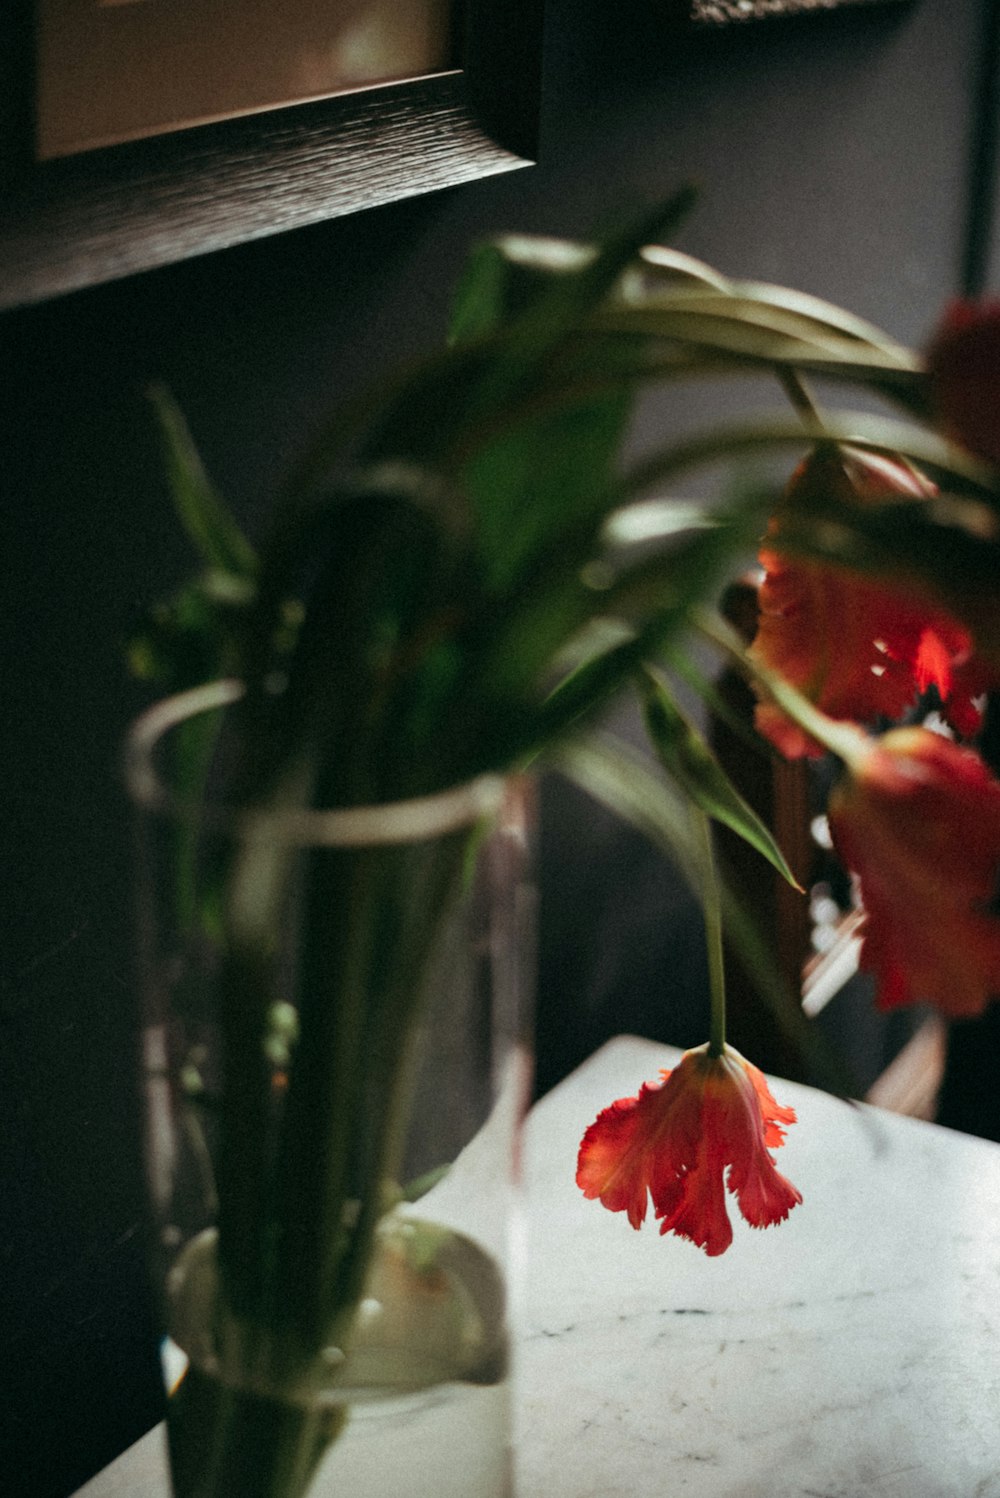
832	155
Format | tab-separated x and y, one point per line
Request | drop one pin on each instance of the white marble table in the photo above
853	1352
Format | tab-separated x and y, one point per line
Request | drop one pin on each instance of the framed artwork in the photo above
128	138
116	70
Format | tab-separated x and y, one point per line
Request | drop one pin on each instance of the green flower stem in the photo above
711	904
247	989
228	1443
304	1172
845	740
324	1107
305	1178
348	1089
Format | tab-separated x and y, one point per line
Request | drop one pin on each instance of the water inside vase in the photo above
452	1441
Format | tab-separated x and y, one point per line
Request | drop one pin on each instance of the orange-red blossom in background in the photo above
856	646
709	1124
853	645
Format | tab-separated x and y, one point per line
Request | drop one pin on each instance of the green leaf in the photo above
686	756
547	461
515	347
212	529
529	483
384	577
772	310
668	271
681	663
827	316
669	587
543	286
654	520
672	267
503	277
742	440
743	331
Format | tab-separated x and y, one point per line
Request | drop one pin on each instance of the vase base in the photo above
419	1405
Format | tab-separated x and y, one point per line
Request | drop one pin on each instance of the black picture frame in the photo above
81	220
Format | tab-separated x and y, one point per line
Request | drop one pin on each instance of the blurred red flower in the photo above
963	363
917	818
676	1141
856	647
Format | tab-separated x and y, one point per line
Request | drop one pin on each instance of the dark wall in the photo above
831	153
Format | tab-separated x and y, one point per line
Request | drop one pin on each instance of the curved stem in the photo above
801	397
711	903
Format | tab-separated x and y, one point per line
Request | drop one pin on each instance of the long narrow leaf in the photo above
768	336
213	531
771	308
826	315
725	444
662	262
681	663
686	756
672	269
694	568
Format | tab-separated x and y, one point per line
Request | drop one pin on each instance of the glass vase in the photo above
336	1065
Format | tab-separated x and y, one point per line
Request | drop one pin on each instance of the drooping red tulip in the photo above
709	1124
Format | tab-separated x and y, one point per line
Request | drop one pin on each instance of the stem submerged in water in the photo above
226	1442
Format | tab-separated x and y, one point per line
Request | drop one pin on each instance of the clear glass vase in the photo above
336	1068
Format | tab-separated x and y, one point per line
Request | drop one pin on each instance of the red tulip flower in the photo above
710	1123
917	818
963	362
856	647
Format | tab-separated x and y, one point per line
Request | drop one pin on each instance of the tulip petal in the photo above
963	364
709	1123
